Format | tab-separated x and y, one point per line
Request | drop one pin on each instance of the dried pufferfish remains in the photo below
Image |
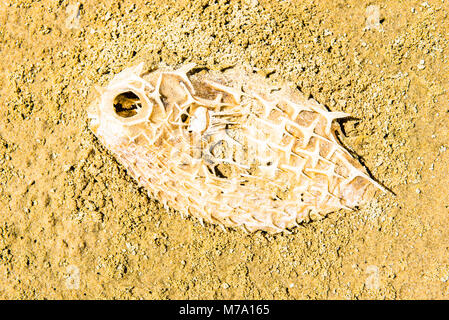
228	147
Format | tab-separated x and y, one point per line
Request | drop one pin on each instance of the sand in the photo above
74	225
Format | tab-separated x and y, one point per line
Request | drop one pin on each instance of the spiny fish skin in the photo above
228	147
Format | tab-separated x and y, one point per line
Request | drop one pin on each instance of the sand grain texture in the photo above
73	224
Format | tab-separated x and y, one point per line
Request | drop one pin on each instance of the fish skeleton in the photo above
228	147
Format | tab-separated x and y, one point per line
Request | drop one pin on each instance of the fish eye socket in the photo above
127	104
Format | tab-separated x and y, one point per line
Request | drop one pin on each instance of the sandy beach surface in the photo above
74	225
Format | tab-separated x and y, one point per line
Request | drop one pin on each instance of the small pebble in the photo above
421	65
73	16
373	18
